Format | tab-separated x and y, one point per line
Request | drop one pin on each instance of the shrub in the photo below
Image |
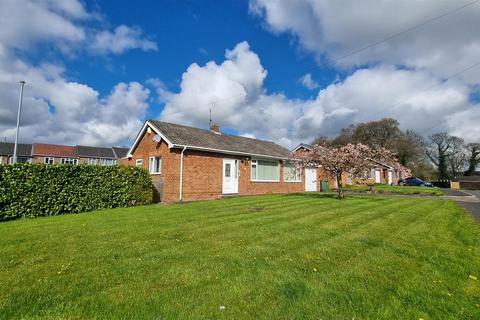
32	190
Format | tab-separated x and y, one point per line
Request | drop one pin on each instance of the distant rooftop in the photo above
24	150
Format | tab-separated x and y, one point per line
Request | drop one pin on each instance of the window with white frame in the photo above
108	162
265	170
362	175
70	161
155	164
291	173
139	162
48	160
92	161
21	160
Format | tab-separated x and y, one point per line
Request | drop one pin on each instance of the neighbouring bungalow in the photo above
61	154
378	173
54	154
318	172
24	152
99	155
188	163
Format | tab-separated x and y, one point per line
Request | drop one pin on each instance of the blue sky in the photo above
196	31
96	70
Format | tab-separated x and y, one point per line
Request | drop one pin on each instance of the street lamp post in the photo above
22	84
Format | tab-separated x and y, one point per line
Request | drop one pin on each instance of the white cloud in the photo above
65	24
465	124
308	82
26	23
79	115
416	99
332	29
123	38
234	89
58	110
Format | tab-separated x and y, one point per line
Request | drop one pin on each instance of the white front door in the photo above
377	176
390	177
230	176
310	179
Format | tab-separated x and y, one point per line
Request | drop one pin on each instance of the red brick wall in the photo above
202	173
168	180
246	186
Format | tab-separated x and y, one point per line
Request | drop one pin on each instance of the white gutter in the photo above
181	172
230	152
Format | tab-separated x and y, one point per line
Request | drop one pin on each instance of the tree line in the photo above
438	156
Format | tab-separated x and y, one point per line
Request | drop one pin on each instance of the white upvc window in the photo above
48	160
20	160
92	161
155	165
139	162
265	170
69	161
291	173
108	162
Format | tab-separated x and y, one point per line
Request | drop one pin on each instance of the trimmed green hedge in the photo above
32	190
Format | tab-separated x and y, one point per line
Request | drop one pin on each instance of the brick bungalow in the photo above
188	163
378	173
54	154
318	172
100	155
61	154
24	152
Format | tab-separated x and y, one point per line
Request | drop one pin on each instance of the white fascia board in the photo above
301	146
142	133
231	152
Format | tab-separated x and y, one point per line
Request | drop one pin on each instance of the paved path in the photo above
461	195
472	207
468	199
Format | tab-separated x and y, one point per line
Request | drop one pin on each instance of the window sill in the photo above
298	181
264	180
155	173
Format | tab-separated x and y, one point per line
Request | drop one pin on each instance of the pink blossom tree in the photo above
350	159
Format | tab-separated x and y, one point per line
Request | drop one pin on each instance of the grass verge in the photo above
383	188
297	256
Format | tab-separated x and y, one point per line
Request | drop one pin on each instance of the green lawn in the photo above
384	188
267	257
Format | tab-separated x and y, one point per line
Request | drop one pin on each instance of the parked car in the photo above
412	181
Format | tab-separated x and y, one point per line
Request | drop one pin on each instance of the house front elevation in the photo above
188	163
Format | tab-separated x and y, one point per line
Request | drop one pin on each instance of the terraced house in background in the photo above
61	154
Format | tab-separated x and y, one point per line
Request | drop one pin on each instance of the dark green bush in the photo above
32	190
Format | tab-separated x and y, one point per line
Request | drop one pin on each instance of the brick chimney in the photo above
215	128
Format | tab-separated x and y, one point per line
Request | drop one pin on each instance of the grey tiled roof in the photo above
95	152
189	136
24	150
304	145
120	152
